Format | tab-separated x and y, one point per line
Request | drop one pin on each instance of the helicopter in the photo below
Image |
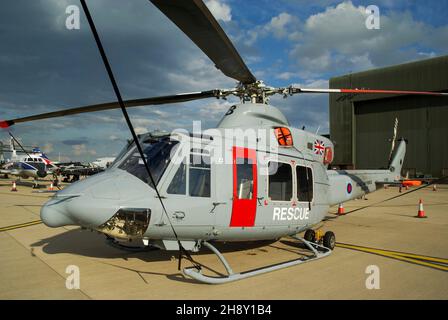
30	164
253	177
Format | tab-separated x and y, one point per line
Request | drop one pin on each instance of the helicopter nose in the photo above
54	215
93	201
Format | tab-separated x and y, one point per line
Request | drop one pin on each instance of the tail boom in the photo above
346	185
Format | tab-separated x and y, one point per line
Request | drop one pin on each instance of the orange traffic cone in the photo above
14	186
51	187
421	211
434	187
341	209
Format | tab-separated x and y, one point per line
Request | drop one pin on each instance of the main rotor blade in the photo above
367	91
115	105
196	21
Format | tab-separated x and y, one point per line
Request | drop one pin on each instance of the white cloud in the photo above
145	124
313	84
113	138
337	40
140	130
107	119
199	74
81	149
363	62
219	9
282	26
278	25
214	110
48	148
286	75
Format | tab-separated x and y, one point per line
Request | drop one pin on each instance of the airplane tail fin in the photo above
12	148
46	159
396	163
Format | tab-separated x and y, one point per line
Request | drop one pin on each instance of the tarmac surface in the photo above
411	255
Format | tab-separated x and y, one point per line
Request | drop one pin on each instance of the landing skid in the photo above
195	273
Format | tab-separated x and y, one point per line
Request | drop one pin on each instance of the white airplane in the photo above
34	164
103	163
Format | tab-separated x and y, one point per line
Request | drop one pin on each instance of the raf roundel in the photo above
349	188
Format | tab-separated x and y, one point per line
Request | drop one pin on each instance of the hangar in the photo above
361	126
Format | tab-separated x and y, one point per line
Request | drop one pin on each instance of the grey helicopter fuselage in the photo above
217	185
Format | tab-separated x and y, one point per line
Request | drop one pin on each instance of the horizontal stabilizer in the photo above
395	183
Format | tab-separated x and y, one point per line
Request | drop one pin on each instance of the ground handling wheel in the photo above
310	235
329	240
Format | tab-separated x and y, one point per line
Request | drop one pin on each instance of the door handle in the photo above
215	204
179	215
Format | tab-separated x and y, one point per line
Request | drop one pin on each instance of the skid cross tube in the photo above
317	250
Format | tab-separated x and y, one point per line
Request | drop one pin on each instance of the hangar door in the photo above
422	120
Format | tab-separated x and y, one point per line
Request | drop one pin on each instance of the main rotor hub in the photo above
256	92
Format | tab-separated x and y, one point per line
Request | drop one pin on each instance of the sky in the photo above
46	67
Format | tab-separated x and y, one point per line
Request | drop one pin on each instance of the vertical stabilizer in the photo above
398	158
394	138
13	149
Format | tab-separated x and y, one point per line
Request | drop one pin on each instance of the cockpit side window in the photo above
179	183
157	154
199	175
129	145
192	177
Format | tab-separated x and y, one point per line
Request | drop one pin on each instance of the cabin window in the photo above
179	183
304	183
280	181
199	175
245	178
